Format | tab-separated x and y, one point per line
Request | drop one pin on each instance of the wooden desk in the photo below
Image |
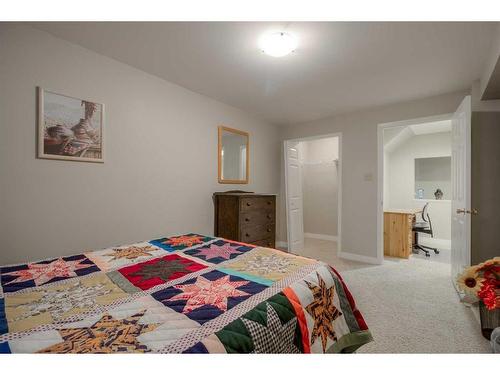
398	235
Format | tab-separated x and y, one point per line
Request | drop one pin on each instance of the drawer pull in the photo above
247	235
249	204
269	202
269	216
268	229
247	219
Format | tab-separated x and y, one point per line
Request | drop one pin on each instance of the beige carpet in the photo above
410	306
326	251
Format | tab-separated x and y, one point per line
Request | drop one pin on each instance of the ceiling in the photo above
396	136
492	90
337	67
442	126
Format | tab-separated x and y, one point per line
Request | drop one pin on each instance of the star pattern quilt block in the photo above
321	302
218	251
158	271
180	242
51	303
270	328
121	256
207	296
14	278
268	264
107	335
123	329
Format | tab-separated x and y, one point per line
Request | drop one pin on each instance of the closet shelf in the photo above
325	162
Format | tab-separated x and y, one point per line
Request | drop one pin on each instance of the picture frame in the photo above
69	128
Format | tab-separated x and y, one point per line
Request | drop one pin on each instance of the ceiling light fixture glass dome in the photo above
278	44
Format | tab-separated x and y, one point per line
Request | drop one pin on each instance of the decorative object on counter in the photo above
438	194
69	128
483	282
420	193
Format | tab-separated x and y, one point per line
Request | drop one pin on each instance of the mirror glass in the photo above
433	178
233	156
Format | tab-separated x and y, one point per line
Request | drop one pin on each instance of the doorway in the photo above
460	184
313	195
417	187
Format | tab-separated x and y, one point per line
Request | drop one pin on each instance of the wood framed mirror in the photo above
233	156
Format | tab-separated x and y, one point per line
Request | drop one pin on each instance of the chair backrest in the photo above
425	214
426	217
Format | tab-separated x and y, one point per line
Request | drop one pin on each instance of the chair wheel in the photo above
436	251
427	254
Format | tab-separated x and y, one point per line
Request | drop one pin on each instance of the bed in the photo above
183	294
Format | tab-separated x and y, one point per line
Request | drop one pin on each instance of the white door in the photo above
461	182
293	184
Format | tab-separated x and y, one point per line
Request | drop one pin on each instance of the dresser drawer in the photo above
246	217
257	232
257	203
255	217
267	242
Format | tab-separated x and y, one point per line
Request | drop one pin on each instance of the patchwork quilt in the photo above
183	294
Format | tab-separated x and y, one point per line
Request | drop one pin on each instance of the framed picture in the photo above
69	128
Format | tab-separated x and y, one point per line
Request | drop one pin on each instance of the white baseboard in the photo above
359	258
435	242
325	237
282	245
343	255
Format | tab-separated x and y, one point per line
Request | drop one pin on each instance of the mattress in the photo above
182	294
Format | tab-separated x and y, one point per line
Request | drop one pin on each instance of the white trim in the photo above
380	172
282	245
285	155
318	236
360	258
416	121
339	182
432	200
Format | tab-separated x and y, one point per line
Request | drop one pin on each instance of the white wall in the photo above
386	187
320	186
491	62
359	163
160	145
400	173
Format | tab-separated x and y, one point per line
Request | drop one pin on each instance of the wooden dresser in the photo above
246	217
398	234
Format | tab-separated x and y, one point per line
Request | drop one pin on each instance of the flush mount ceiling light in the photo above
278	44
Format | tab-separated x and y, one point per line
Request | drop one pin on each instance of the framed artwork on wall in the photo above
69	128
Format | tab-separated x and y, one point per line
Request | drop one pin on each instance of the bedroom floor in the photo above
326	251
409	305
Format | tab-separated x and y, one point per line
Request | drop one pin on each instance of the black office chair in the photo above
424	226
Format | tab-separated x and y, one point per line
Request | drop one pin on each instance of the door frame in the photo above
380	171
339	183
